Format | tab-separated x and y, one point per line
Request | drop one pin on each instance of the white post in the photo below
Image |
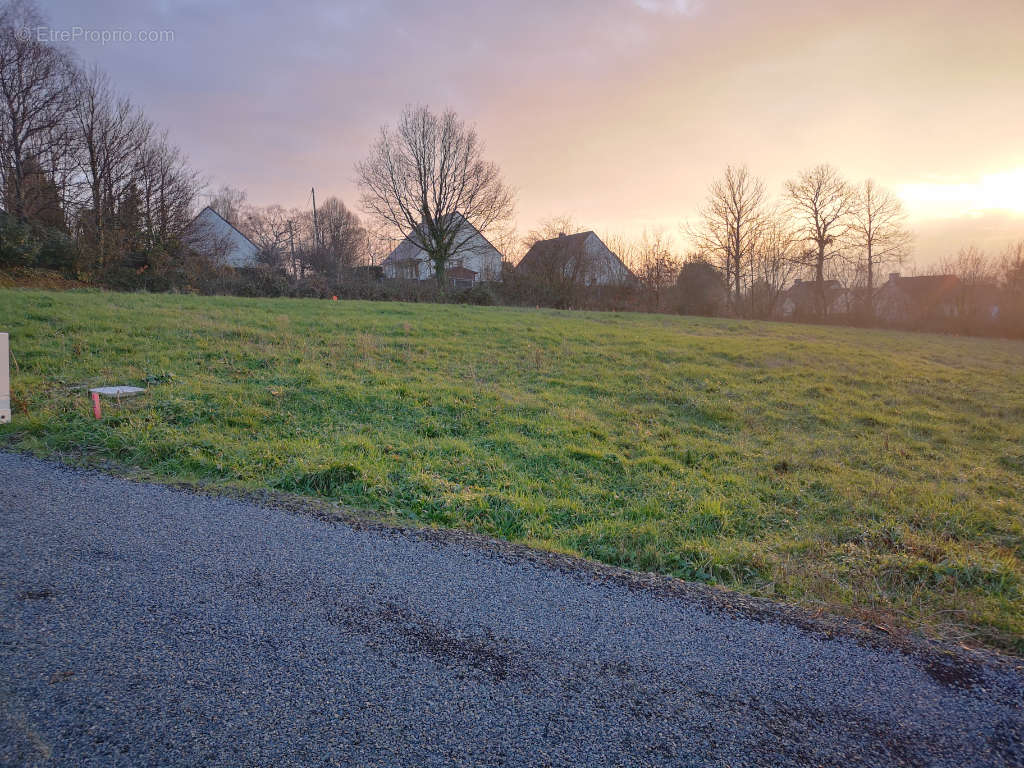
5	381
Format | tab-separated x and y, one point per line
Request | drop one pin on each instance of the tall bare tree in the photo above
655	266
113	133
274	230
35	101
971	265
878	234
426	175
821	202
774	262
729	225
342	242
168	188
978	274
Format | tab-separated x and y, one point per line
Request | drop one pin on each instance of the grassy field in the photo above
877	474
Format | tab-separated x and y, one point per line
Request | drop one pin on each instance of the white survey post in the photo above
5	380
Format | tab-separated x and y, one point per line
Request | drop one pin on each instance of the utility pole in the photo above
291	242
316	228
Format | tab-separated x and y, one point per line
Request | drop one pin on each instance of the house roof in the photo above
407	250
554	252
210	223
211	210
927	289
807	290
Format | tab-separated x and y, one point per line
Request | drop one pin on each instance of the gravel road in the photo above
143	625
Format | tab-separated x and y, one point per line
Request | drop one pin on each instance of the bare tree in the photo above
35	100
428	174
971	265
168	189
508	242
821	202
113	133
655	266
729	225
978	274
1011	268
229	203
773	264
274	230
342	243
1011	281
549	228
878	233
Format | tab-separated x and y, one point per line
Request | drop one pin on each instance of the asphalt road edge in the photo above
951	665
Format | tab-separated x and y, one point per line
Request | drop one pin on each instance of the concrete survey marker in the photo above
117	392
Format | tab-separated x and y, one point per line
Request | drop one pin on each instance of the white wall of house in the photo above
412	263
603	266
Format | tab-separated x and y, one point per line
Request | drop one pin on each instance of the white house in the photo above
213	236
582	258
475	260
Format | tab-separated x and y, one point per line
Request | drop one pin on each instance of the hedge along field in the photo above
876	474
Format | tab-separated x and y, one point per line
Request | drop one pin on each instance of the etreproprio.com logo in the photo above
98	36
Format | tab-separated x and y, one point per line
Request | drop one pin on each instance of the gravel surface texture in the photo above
145	625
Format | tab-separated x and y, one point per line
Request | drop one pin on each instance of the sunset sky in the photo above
617	112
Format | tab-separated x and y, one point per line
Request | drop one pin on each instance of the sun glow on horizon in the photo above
993	192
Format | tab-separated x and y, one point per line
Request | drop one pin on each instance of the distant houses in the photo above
213	237
560	270
930	300
806	299
918	301
581	258
474	261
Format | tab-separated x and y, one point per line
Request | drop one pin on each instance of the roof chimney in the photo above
798	281
561	234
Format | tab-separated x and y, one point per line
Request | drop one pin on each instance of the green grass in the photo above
878	474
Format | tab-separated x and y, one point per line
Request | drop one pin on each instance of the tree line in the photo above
95	189
91	186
